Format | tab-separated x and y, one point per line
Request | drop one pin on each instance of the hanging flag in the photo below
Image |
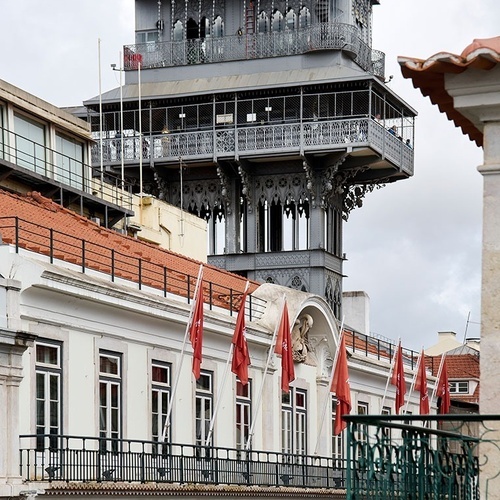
196	329
284	348
443	390
341	388
241	357
421	386
398	378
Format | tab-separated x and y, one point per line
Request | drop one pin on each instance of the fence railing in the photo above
49	457
262	139
319	36
417	456
64	169
139	269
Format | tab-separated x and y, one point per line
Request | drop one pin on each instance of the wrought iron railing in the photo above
68	171
76	458
416	456
262	140
319	36
88	255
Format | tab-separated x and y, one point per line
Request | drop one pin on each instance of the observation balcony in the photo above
320	36
264	140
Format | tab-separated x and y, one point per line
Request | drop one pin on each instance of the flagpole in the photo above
328	394
177	375
224	377
413	380
101	152
141	152
390	374
259	397
437	377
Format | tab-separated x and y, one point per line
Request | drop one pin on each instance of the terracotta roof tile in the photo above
428	76
460	367
41	221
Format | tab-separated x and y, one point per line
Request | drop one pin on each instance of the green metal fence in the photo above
416	456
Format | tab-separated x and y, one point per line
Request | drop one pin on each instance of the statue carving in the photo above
300	338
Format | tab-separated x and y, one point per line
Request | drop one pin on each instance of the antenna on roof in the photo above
466	328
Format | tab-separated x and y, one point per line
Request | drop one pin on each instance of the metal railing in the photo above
319	36
417	456
264	139
48	457
133	267
63	169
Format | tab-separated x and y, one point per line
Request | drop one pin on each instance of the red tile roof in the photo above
428	76
45	227
460	367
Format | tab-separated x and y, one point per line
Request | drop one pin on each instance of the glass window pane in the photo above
109	364
47	355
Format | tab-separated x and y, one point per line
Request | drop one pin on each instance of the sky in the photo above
415	245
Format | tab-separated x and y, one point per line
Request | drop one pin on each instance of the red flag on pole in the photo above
421	386
284	347
398	379
443	390
342	389
241	357
196	329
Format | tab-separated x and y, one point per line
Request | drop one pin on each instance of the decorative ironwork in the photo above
260	140
284	188
310	182
79	458
417	456
225	189
245	186
319	36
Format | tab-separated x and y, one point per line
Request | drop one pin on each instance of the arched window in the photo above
263	23
204	27
218	27
291	19
304	18
178	31
192	29
278	21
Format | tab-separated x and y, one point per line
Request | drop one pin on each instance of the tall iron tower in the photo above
268	118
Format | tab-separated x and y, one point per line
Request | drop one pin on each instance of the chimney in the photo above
356	311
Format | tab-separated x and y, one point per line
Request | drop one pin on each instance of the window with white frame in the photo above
48	373
243	413
294	421
459	386
337	440
362	432
160	400
204	406
109	400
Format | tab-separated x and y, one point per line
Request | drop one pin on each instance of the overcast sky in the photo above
415	246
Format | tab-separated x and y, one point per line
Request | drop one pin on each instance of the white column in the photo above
490	309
